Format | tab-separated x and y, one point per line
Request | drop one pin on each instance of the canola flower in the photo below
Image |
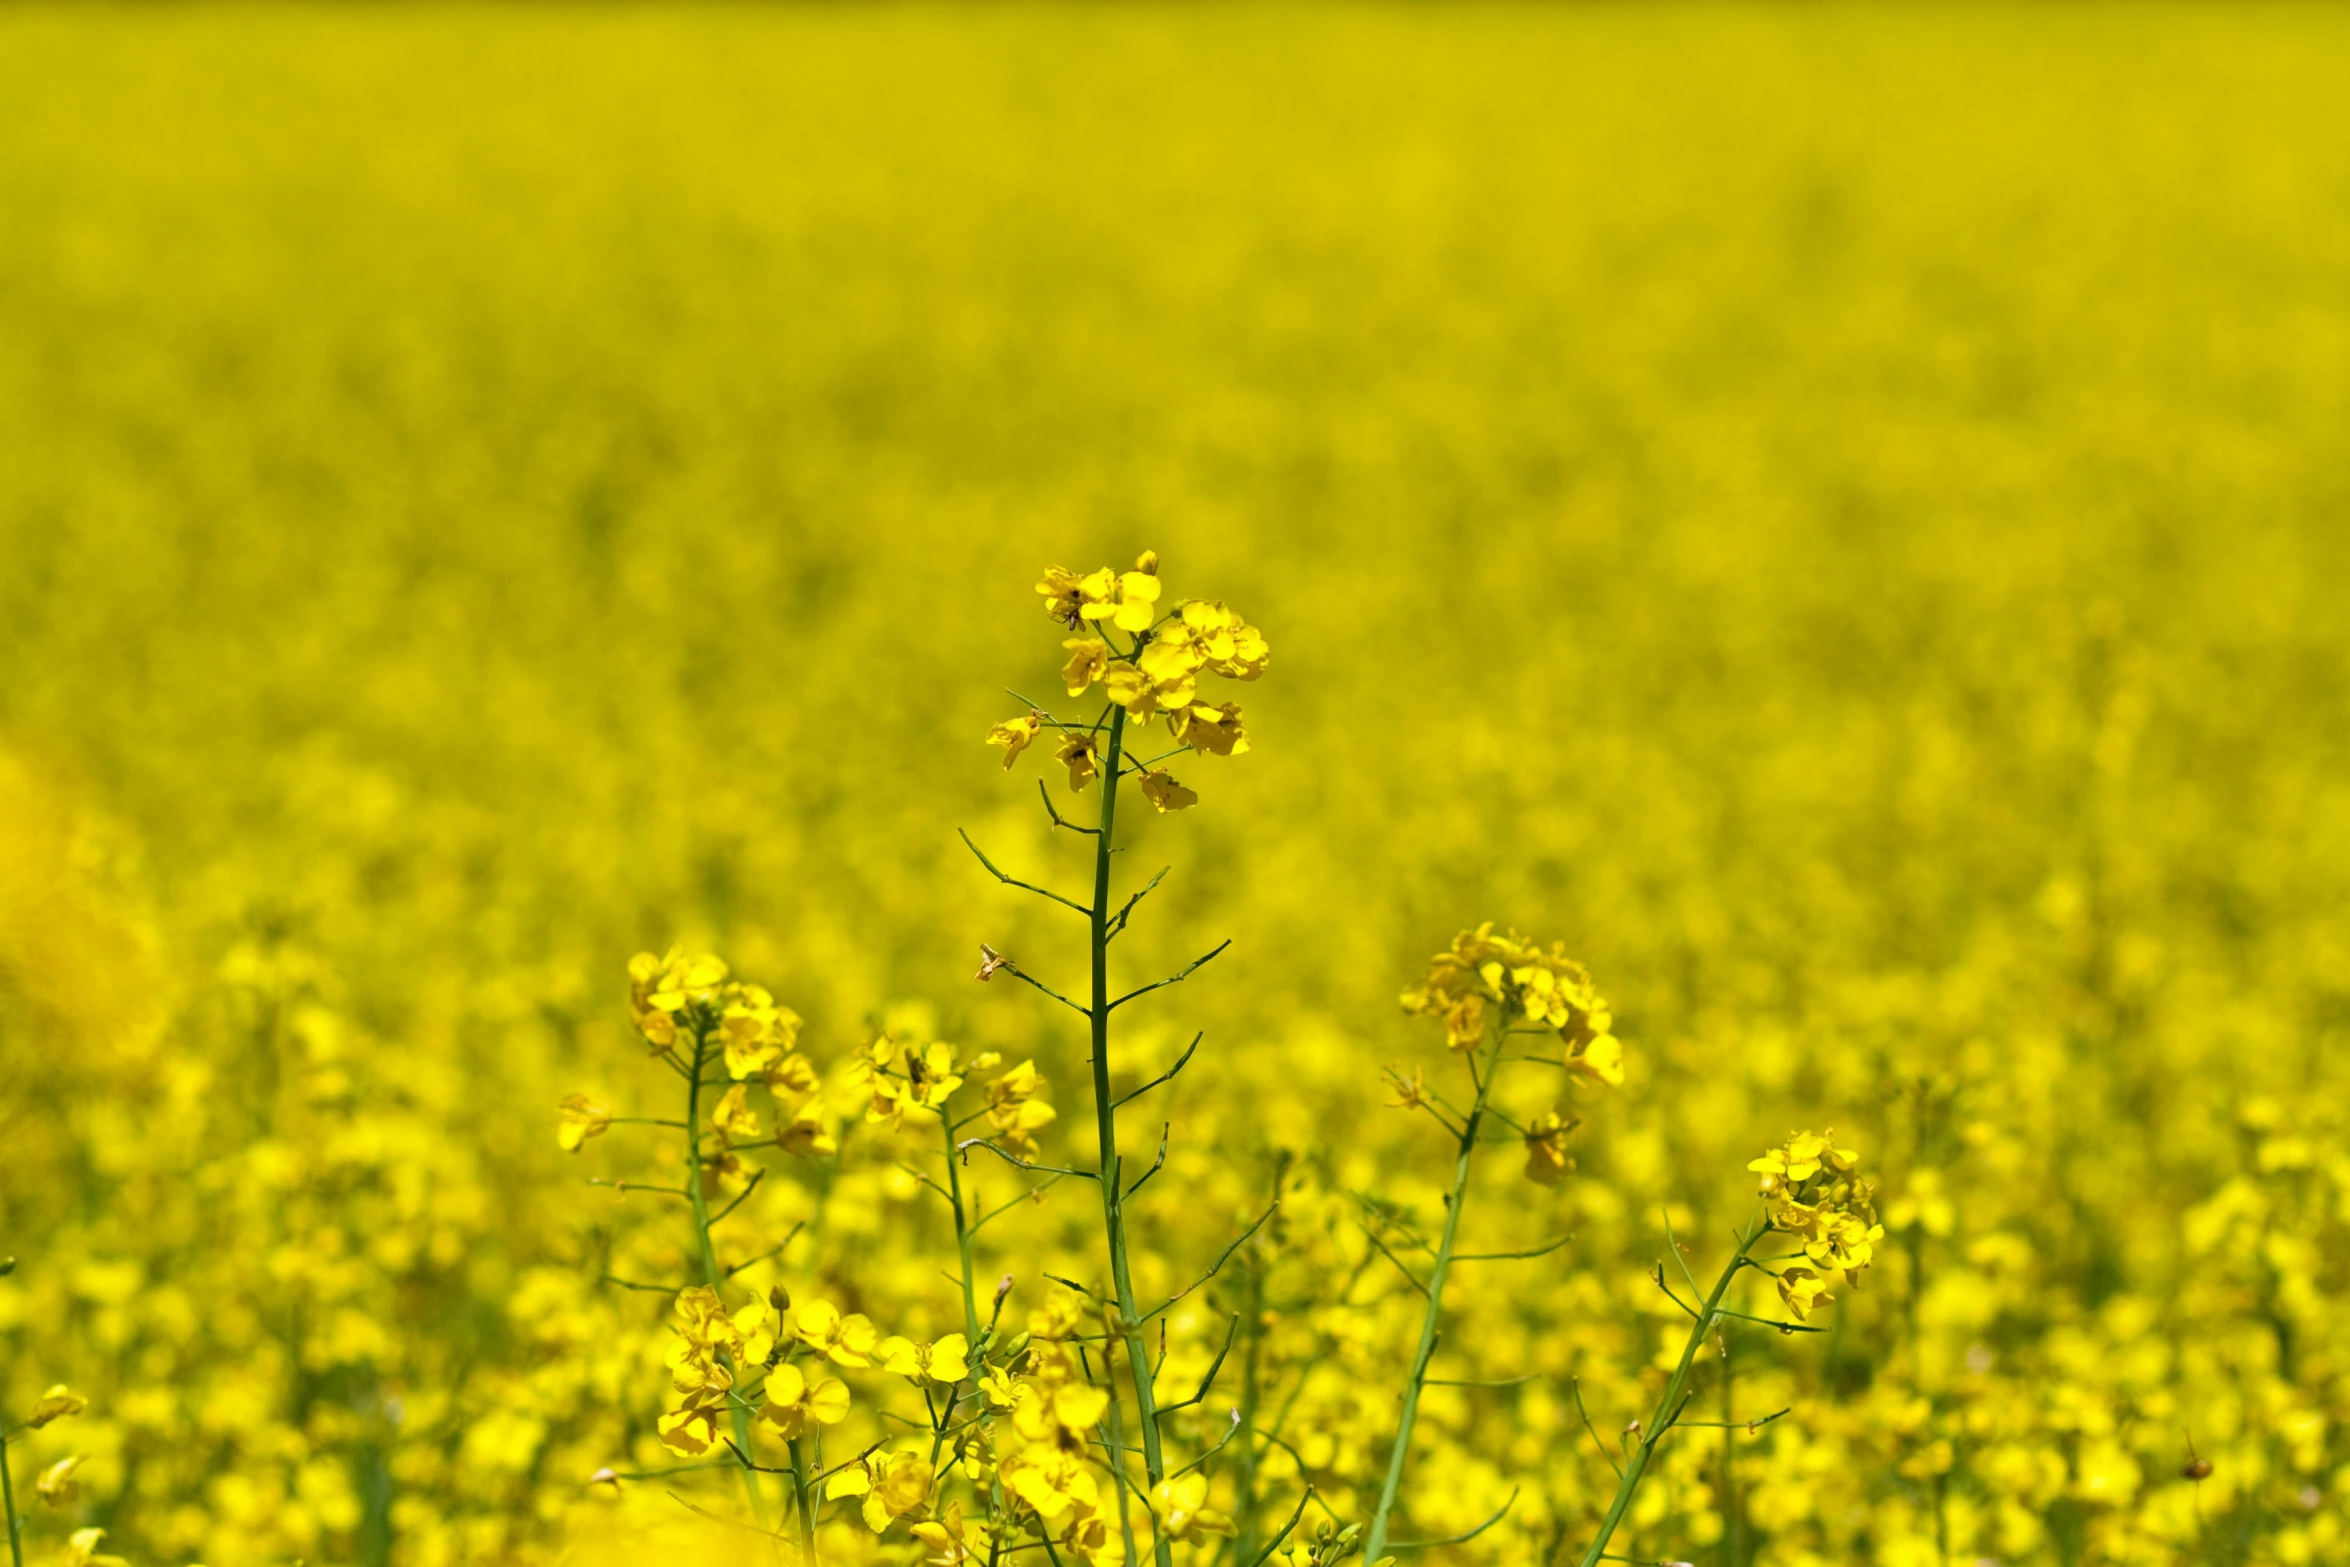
1919	712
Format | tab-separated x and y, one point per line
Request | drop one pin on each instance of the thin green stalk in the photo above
712	1274
1668	1408
1375	1540
1244	1545
1105	1117
804	1498
1733	1549
962	1236
8	1502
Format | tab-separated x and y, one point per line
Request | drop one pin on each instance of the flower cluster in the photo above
1505	981
757	1036
1810	1190
1155	672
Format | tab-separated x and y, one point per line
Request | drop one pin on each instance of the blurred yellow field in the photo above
1837	516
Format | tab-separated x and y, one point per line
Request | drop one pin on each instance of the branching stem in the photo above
1105	1109
1672	1401
1375	1540
713	1275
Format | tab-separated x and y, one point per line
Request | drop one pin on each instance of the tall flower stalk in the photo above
1488	990
1149	664
1812	1193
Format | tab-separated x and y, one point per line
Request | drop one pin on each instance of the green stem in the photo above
712	1275
1734	1552
1375	1540
1244	1545
804	1498
8	1503
962	1237
1105	1119
1668	1407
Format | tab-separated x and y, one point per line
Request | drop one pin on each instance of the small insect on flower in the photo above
1547	1159
1077	753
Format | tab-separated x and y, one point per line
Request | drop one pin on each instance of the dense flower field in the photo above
518	527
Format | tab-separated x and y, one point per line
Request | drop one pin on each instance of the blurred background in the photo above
1838	513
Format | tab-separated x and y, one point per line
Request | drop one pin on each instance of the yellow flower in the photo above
807	1135
81	1550
793	1073
1802	1289
661	987
1077	752
56	1404
1547	1162
580	1119
893	1485
733	1119
1061	597
1017	734
691	1429
1601	1059
955	1540
755	1328
1181	1506
1050	1480
848	1340
1089	1536
999	1388
1089	660
1128	600
1230	646
1133	690
1531	985
1211	729
755	1032
793	1402
56	1485
945	1362
1064	1415
1810	1190
1160	788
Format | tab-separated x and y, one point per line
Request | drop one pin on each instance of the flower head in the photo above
1161	789
1077	753
1149	657
1547	1159
56	1485
578	1119
793	1402
1810	1189
1016	735
56	1404
81	1550
1483	980
1182	1507
893	1485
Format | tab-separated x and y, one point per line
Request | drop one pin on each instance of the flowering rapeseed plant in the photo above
1745	534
